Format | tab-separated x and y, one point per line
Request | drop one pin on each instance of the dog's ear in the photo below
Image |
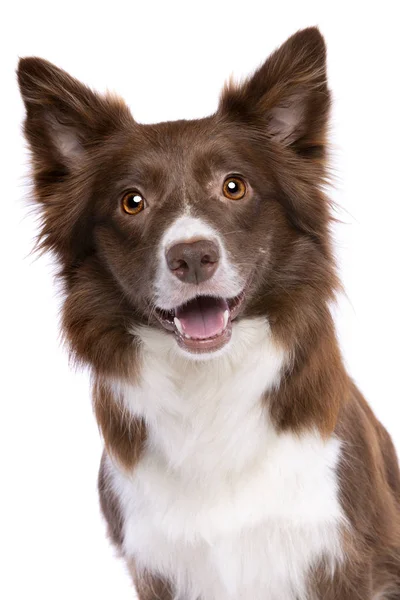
66	126
64	118
288	95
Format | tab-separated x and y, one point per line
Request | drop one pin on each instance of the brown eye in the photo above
133	203
234	188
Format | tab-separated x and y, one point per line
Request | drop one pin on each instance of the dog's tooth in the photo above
226	318
178	325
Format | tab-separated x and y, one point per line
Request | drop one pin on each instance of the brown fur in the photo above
150	587
87	151
123	435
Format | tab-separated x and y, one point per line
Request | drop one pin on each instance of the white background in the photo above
169	61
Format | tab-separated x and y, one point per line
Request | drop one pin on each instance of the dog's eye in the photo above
234	188
133	203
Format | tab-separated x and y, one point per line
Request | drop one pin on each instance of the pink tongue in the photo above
202	317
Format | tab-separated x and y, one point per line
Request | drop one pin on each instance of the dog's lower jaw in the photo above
197	312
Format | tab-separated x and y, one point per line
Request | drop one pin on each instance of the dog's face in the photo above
184	226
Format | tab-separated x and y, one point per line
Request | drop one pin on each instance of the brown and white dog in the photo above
241	462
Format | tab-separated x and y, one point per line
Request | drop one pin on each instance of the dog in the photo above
240	461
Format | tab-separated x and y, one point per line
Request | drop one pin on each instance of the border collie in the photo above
241	462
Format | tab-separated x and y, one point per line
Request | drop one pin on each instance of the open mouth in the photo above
204	324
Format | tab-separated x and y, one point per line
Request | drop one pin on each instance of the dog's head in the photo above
184	226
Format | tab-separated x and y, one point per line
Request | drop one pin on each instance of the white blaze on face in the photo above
170	292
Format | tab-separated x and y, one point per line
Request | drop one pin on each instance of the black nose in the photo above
193	262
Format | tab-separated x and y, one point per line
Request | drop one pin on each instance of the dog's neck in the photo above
194	411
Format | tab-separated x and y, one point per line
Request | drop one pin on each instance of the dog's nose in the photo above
193	262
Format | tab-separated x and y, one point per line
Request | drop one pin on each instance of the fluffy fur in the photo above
255	470
199	508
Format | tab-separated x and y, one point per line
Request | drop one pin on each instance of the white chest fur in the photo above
220	503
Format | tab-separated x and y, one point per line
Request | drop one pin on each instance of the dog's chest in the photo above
245	536
220	503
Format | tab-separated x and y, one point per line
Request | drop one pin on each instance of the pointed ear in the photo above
288	95
66	123
64	117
